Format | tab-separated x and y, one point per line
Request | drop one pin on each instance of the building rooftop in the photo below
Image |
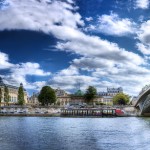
9	86
79	93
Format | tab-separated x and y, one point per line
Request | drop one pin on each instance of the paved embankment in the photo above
55	112
130	111
30	111
31	115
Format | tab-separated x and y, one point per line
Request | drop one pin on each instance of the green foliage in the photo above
47	96
21	100
6	95
121	99
1	95
90	94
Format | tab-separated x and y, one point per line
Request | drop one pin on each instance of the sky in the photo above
64	43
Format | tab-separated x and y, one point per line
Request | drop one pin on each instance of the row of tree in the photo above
47	96
7	97
118	99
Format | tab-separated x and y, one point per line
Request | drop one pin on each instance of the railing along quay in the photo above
88	112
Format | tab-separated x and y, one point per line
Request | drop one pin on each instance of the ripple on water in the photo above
27	133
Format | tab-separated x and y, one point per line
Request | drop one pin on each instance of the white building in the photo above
111	91
60	92
109	94
13	92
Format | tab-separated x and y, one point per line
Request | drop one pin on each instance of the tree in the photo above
21	100
90	94
1	96
6	95
47	96
121	99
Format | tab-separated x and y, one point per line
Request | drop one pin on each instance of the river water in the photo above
44	133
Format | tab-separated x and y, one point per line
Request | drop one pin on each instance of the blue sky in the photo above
64	42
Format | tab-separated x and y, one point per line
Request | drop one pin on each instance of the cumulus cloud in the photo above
144	32
131	77
144	49
143	35
142	4
29	69
89	63
105	62
21	71
88	19
69	82
114	25
93	46
38	15
71	70
4	61
18	72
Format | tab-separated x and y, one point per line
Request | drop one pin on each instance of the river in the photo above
45	133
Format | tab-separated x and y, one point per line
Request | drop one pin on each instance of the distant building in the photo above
60	92
61	95
107	100
133	100
63	98
111	91
13	92
33	100
109	94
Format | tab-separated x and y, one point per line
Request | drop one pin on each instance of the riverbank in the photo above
16	111
31	115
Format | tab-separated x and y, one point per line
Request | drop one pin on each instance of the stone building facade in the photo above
107	97
13	93
111	91
64	98
33	100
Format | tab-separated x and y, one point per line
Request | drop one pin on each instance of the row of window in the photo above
13	99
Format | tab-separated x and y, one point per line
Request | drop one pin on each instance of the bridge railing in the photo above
145	88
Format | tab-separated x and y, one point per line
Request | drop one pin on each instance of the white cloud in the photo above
89	63
71	70
21	71
88	19
127	75
93	46
143	35
107	64
144	32
18	72
4	61
29	69
69	82
142	4
38	15
70	1
131	77
144	49
114	25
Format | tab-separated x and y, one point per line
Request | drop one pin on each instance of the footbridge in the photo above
143	101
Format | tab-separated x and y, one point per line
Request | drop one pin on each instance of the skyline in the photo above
62	42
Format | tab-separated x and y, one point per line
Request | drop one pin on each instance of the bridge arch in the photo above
143	101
